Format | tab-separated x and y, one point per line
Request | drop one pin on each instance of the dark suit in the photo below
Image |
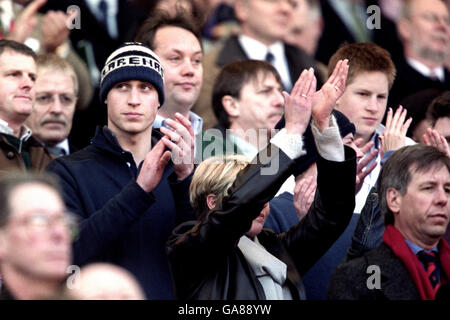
349	280
335	33
232	51
409	81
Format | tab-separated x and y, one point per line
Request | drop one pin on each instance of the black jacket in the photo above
205	260
120	222
409	81
350	279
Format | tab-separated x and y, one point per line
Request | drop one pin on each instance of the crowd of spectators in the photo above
224	149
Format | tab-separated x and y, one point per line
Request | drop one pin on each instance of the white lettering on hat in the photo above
132	61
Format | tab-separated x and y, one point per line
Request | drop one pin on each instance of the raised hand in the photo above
394	137
55	30
180	140
26	21
153	167
304	192
325	99
432	138
361	170
297	105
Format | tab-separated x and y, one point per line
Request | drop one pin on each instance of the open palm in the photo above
325	99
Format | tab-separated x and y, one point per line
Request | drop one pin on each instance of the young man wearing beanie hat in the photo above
123	185
177	41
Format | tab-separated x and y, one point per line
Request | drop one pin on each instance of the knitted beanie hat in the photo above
132	61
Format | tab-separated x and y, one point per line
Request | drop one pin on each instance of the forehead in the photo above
34	196
10	59
53	80
171	37
436	172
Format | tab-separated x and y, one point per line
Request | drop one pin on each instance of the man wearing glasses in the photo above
56	90
424	29
35	237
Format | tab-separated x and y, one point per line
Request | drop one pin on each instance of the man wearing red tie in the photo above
413	261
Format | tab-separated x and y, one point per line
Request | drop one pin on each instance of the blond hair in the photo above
52	62
214	175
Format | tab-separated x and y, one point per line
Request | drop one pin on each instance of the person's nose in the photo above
134	97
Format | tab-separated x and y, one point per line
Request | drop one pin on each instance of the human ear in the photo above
211	201
231	106
393	200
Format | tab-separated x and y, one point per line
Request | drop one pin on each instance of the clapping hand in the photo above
361	170
325	99
304	192
432	138
180	140
394	136
297	105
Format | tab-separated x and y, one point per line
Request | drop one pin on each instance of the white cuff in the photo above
329	142
291	144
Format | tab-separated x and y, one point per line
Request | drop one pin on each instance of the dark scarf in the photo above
394	239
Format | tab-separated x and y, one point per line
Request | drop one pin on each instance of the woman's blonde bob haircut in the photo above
214	175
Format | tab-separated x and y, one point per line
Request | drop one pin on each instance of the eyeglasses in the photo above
292	3
39	222
46	99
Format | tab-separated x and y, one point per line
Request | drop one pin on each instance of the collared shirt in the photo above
256	50
245	147
416	249
197	122
425	71
113	7
197	126
64	145
56	150
5	129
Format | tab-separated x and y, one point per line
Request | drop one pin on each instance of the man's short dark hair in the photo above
160	19
397	171
12	180
232	79
439	107
16	47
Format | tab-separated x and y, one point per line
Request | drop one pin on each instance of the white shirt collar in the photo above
64	145
197	122
245	148
5	129
113	8
256	50
424	70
